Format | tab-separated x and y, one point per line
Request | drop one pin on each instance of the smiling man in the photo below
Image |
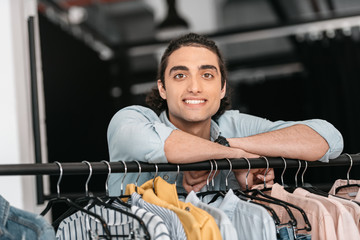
189	114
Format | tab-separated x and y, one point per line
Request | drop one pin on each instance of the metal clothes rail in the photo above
78	168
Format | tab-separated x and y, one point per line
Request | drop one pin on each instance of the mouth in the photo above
194	101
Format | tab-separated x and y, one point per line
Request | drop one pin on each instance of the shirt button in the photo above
187	209
166	177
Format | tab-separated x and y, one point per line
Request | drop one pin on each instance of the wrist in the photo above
223	141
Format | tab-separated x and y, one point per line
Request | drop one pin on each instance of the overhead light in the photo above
173	24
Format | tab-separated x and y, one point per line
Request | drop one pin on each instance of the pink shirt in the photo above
344	224
353	208
320	219
348	192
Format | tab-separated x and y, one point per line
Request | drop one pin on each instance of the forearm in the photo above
182	147
298	142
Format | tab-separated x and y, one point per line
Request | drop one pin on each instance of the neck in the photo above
200	129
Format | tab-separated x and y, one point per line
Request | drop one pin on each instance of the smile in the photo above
194	101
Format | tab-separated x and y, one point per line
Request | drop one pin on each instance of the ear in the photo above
223	91
161	89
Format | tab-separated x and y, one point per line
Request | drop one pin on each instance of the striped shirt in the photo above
81	226
155	225
171	220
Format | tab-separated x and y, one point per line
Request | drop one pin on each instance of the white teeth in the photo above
194	101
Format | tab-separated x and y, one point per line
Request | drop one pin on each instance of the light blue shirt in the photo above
138	133
226	227
251	221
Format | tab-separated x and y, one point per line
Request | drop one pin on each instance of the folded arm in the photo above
297	142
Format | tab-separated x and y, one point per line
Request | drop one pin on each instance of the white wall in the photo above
16	137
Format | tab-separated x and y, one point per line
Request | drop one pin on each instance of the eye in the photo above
208	75
179	76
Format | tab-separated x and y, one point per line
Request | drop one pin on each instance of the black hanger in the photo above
122	183
97	201
245	194
73	205
116	199
222	193
302	212
347	177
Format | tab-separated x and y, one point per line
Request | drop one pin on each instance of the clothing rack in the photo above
78	168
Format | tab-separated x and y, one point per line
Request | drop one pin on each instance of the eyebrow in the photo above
180	67
208	67
184	68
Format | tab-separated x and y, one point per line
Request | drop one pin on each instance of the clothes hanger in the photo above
212	175
347	177
93	200
137	179
244	197
108	199
199	194
302	212
122	182
222	193
73	205
311	189
153	182
245	194
183	194
290	188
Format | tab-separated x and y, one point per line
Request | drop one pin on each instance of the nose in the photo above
194	85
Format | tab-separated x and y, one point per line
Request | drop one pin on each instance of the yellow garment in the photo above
197	223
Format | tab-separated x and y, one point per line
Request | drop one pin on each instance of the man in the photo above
191	99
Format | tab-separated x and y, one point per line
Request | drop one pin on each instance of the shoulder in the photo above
236	115
230	113
137	112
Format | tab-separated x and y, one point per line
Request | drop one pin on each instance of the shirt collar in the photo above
214	128
192	198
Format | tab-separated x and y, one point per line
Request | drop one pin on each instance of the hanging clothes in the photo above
19	224
357	198
171	220
198	224
320	219
227	229
81	226
344	224
348	192
154	224
351	207
251	221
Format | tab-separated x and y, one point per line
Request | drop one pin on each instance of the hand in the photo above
195	180
256	176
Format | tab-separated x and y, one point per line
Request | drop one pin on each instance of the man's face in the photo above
192	86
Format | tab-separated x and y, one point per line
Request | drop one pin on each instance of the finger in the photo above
187	186
196	188
191	180
199	186
199	174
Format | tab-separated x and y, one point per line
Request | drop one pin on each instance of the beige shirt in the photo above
320	219
345	226
357	198
348	192
353	208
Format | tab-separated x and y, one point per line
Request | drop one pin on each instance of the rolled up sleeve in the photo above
236	124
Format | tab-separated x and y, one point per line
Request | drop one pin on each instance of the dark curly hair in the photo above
156	102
